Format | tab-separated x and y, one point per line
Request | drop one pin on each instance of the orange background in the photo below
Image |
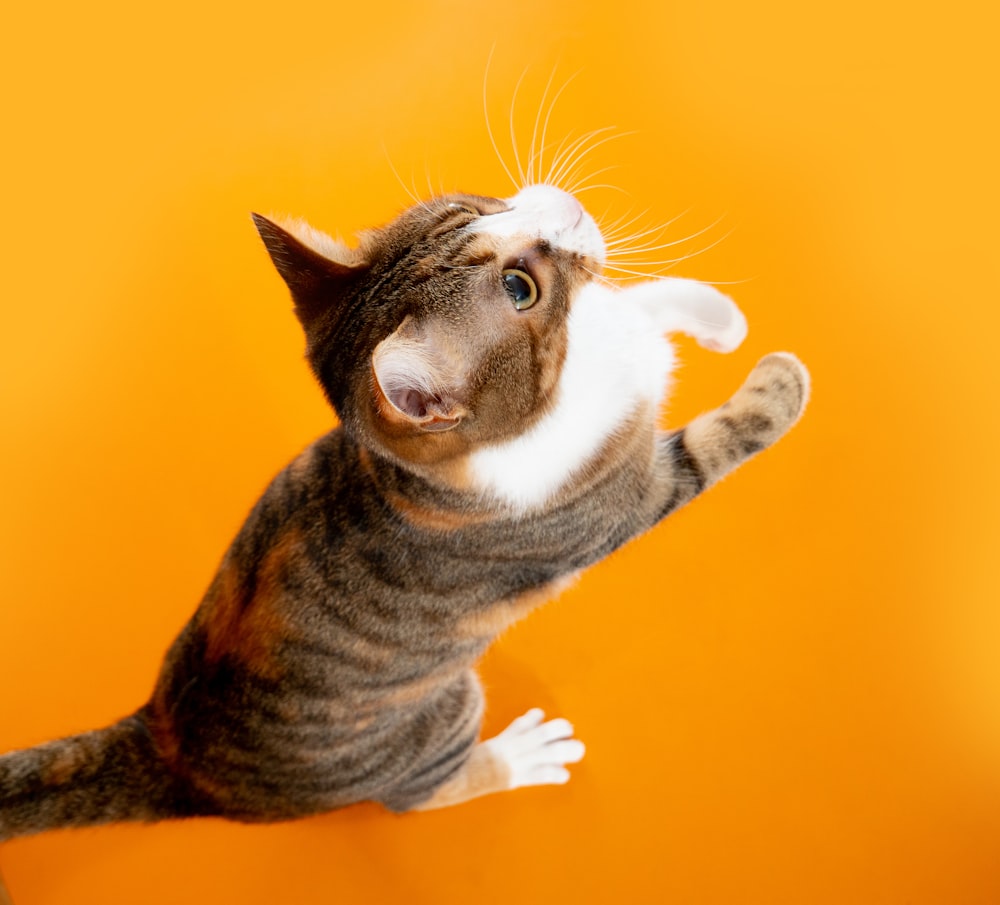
790	691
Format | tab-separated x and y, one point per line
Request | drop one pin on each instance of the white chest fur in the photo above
617	358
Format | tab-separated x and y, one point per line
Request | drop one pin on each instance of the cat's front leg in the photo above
762	410
686	306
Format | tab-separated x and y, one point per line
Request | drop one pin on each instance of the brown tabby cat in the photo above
498	403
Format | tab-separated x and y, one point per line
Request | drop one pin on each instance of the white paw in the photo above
536	752
686	306
727	333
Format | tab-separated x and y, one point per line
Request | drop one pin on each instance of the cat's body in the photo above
499	410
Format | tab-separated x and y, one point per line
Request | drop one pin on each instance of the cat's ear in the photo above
315	267
417	381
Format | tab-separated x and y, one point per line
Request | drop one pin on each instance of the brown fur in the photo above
486	625
249	628
331	659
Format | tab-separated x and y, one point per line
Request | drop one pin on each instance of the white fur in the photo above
616	360
402	363
545	212
536	752
697	309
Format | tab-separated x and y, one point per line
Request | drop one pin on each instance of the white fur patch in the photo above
697	309
617	358
545	212
536	752
401	365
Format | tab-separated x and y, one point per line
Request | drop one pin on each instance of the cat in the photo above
498	404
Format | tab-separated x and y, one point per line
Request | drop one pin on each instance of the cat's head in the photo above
446	329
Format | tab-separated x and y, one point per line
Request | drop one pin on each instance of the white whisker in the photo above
548	117
567	175
513	135
599	277
399	179
534	131
599	185
732	282
489	127
635	273
617	228
666	264
643	249
555	160
427	174
620	239
571	174
568	158
572	189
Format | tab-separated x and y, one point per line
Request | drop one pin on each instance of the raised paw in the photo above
784	381
697	309
536	752
723	327
770	401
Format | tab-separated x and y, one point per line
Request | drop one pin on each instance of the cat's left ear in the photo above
417	379
315	267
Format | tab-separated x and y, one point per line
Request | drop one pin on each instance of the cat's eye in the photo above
521	288
467	208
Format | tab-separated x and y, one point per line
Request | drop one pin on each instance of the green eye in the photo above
521	288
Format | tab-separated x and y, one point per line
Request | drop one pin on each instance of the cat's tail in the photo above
105	776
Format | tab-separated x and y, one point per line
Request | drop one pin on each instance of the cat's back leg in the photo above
454	766
529	752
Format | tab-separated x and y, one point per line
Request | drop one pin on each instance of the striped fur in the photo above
331	660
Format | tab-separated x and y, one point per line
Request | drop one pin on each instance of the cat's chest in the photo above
617	365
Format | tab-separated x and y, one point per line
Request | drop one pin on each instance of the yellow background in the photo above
790	691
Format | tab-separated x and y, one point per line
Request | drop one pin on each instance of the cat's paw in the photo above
771	399
727	333
536	752
784	378
686	306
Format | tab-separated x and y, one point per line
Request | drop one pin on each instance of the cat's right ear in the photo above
315	268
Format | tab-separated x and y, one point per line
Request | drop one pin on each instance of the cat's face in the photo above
446	329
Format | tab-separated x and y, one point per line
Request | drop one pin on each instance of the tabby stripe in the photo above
688	477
